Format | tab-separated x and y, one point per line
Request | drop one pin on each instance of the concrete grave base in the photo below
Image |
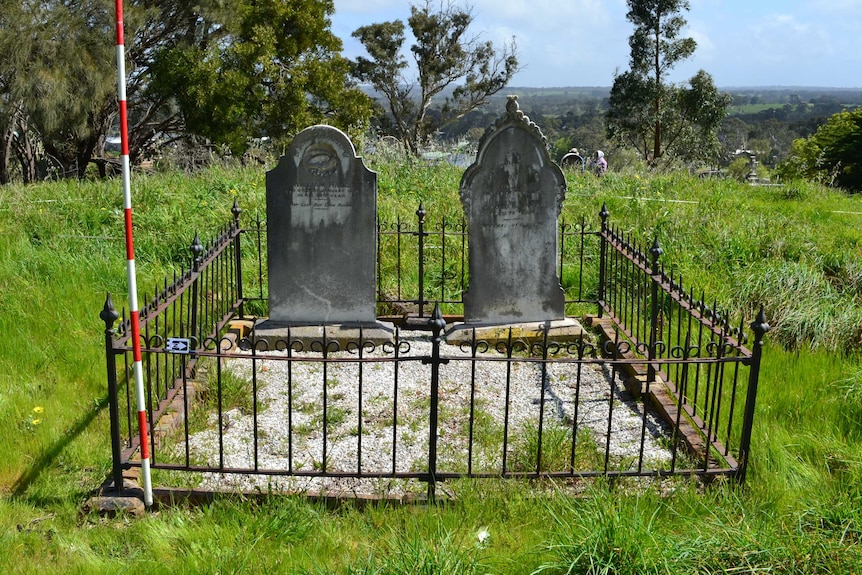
111	506
110	503
568	329
277	334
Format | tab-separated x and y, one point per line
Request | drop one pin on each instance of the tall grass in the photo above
62	248
793	249
691	532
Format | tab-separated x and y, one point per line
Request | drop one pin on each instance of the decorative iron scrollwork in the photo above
684	351
399	345
355	347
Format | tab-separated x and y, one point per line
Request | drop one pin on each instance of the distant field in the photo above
753	108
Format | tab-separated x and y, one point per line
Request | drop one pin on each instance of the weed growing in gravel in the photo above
558	453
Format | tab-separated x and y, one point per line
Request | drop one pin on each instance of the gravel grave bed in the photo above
290	419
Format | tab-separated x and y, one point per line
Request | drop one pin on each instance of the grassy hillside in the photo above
796	249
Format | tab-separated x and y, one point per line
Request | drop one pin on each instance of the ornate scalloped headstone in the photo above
512	197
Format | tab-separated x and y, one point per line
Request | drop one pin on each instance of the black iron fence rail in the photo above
681	357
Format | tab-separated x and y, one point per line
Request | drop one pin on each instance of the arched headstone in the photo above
321	217
573	159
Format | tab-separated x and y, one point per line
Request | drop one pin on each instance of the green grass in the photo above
556	455
794	249
691	532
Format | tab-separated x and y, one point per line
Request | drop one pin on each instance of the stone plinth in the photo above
562	330
280	335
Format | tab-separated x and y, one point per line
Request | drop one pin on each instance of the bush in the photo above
830	156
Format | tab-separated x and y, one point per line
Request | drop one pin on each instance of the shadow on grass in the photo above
49	455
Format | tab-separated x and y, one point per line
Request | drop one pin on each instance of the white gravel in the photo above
302	450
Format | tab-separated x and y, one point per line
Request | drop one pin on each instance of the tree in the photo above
264	68
56	85
660	119
444	54
13	122
223	71
832	155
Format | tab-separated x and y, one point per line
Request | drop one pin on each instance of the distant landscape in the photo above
763	120
778	94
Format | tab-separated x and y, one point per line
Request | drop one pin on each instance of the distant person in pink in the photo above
600	164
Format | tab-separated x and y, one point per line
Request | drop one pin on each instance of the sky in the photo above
741	43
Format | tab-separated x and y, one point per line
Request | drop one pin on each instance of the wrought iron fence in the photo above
654	388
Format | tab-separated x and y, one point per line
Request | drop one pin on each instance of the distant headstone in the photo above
572	159
321	206
512	197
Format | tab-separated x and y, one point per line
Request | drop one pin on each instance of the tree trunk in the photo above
24	148
15	143
5	154
27	158
657	135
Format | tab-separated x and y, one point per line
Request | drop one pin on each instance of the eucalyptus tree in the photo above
832	155
660	119
55	84
14	143
444	54
225	71
262	68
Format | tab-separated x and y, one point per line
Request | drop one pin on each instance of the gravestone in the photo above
512	197
321	210
572	159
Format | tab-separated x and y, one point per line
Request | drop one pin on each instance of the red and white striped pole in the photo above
130	261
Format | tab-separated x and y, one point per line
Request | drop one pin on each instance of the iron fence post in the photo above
258	226
759	327
109	315
420	214
196	249
236	211
436	323
603	254
655	253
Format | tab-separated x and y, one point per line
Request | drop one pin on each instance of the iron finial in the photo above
108	314
236	210
759	325
197	249
436	321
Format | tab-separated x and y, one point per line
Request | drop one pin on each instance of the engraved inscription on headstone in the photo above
321	205
512	196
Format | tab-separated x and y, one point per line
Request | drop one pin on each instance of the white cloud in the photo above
848	8
371	6
582	42
559	43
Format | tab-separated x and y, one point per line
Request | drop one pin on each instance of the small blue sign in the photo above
178	345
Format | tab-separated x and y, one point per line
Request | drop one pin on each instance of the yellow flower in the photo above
38	409
36	421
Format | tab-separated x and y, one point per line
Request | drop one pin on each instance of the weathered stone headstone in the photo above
321	205
512	197
572	159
